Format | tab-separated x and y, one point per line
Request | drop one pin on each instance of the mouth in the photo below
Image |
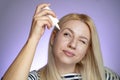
68	53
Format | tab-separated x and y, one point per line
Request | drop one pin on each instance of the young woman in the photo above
74	51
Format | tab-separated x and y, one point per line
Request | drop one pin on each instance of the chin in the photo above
67	61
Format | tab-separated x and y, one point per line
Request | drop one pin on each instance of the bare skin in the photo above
70	45
20	67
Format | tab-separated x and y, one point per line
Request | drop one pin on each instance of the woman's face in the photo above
71	42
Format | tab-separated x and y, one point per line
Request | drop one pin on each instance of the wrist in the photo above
32	41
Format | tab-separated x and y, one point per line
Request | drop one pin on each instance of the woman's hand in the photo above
41	21
20	67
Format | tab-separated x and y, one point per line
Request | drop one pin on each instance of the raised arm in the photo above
20	67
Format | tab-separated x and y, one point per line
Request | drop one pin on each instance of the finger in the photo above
44	20
40	7
45	23
45	12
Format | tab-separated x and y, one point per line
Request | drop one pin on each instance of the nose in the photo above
73	44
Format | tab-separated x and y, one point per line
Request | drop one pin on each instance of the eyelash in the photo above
82	41
66	34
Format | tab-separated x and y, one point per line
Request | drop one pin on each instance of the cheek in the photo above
81	53
59	45
60	41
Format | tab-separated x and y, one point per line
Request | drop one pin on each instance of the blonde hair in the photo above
90	67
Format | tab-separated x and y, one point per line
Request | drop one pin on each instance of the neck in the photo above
65	68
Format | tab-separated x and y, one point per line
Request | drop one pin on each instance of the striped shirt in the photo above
109	74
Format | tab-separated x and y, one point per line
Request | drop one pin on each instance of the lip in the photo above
68	53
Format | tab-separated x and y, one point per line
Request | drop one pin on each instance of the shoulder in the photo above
33	75
111	75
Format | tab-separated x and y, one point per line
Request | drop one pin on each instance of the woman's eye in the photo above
83	41
67	34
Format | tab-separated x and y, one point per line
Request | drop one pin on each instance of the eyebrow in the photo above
67	29
83	37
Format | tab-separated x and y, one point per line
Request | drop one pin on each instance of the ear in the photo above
52	39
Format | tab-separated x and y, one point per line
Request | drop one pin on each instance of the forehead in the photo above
78	27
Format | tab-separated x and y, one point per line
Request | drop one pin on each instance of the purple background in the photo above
15	23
